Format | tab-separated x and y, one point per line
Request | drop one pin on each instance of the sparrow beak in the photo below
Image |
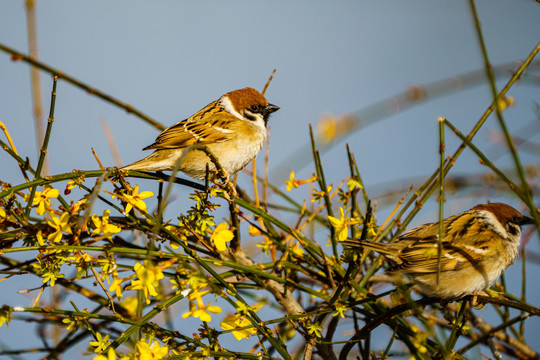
525	220
270	109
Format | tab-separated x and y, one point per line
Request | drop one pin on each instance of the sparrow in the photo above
477	246
233	128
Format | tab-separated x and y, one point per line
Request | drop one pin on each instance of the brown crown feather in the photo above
502	212
243	98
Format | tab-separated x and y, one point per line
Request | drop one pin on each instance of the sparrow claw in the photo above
226	185
474	299
444	302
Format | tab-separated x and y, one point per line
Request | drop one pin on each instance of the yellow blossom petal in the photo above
236	322
292	182
148	276
340	225
103	226
39	238
221	236
135	200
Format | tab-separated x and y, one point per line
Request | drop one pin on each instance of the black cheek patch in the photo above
249	116
513	229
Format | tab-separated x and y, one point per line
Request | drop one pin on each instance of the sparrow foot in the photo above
228	187
474	299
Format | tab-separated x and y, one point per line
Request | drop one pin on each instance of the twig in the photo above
268	82
441	197
18	56
44	146
35	76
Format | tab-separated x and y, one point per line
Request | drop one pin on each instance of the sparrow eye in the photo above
254	108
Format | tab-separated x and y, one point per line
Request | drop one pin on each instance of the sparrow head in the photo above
506	217
248	104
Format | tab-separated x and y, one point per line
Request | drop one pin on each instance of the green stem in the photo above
322	183
441	196
44	146
458	325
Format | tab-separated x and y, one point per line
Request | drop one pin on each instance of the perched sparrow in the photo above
232	127
477	246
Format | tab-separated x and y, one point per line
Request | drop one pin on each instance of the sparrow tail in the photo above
364	244
160	160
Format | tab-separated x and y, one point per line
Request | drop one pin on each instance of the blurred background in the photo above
396	66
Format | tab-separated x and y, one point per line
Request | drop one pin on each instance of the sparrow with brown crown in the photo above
233	128
477	246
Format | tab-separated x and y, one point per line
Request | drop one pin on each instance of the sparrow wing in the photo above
209	125
462	245
422	256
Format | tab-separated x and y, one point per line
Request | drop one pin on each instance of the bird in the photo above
233	128
477	246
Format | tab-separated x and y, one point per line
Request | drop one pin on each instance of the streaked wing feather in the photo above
421	255
207	126
423	259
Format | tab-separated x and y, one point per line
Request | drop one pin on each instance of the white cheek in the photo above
227	105
494	224
259	122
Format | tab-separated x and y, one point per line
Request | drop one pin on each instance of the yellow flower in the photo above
238	322
41	199
135	200
116	286
265	245
340	225
318	195
71	323
100	343
152	351
180	232
372	227
202	311
221	236
111	355
5	316
102	225
148	277
340	309
205	351
505	102
39	237
297	250
294	183
314	329
60	225
354	184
